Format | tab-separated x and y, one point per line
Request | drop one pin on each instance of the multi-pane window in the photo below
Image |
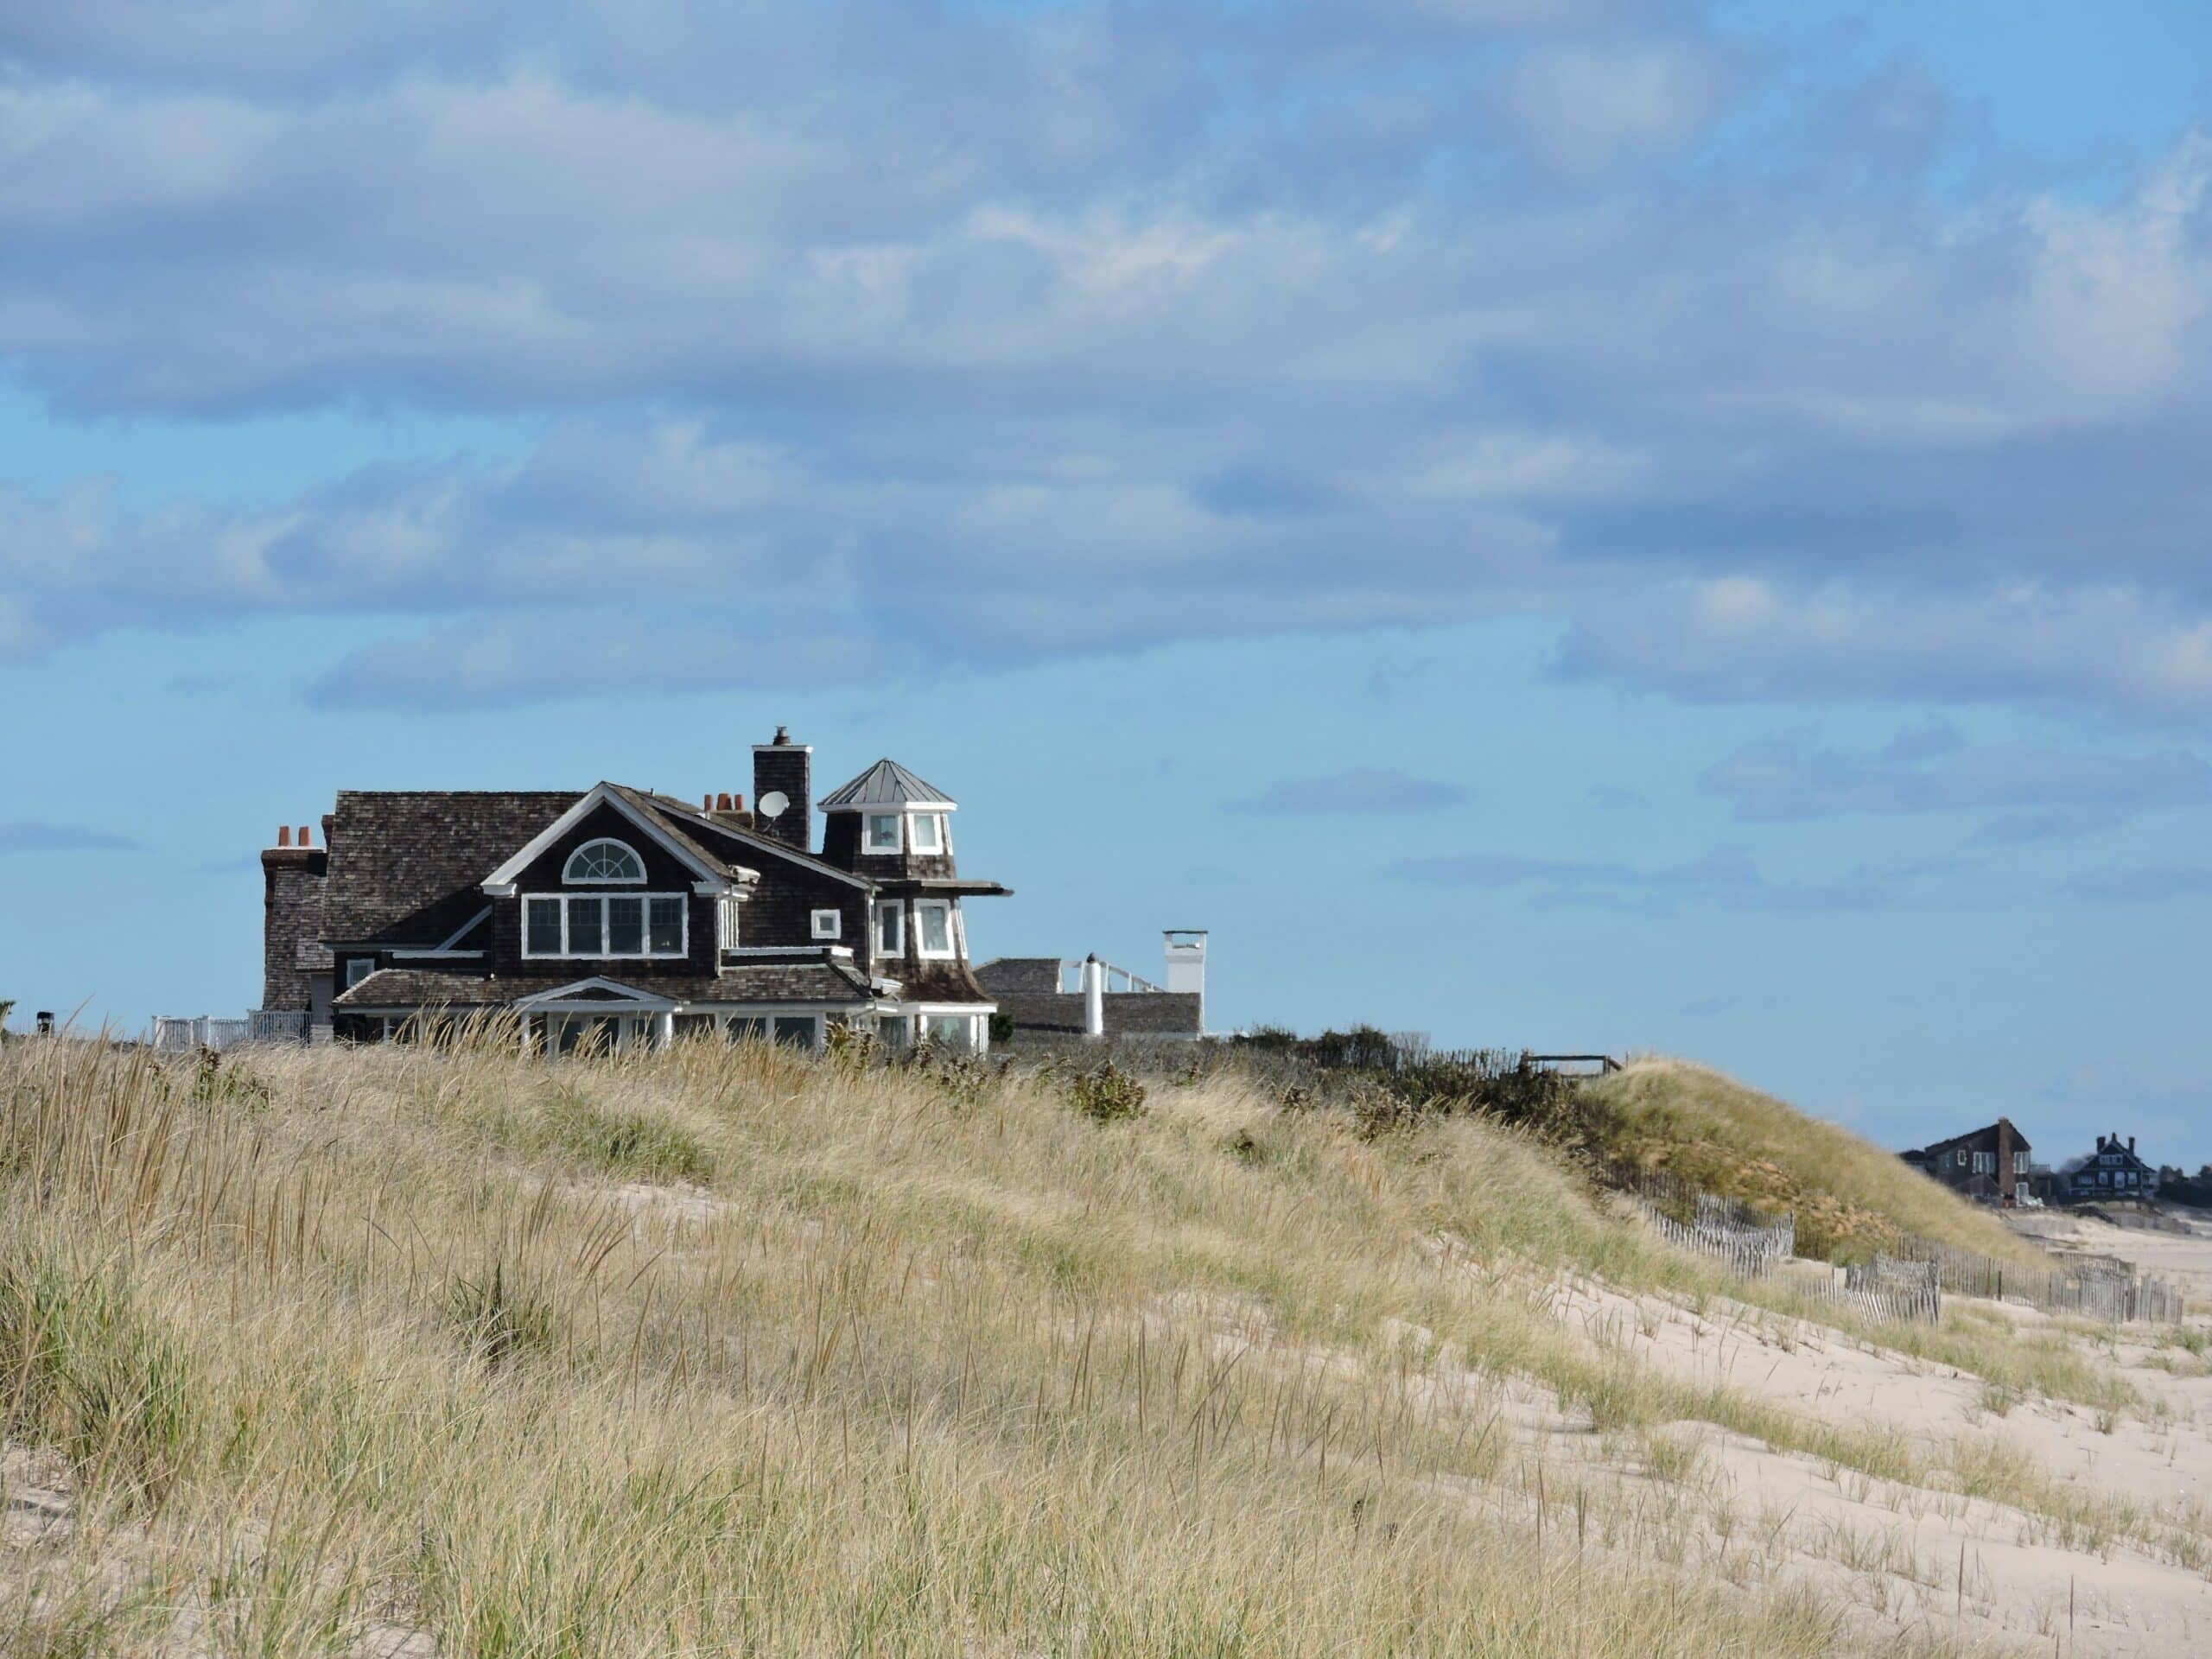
879	832
634	924
933	927
604	860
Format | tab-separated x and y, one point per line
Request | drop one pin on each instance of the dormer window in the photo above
929	832
604	863
879	832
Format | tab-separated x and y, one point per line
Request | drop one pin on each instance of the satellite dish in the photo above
773	803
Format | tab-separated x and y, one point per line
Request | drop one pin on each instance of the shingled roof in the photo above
404	864
887	784
816	980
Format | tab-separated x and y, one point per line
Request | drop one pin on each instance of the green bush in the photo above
1108	1095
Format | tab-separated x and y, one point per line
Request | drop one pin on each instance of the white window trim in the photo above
569	877
951	951
502	882
829	925
868	843
896	945
915	841
367	964
568	899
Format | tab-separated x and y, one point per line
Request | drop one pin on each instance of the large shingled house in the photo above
621	916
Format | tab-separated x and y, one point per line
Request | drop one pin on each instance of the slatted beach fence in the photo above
1749	1244
1908	1279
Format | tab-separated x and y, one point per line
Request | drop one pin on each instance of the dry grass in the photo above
723	1351
1847	1192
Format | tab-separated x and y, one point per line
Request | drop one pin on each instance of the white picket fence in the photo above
179	1032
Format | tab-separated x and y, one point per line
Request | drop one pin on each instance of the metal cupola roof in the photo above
887	784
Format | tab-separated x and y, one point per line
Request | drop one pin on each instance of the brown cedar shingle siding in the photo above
293	882
665	873
406	866
2008	1145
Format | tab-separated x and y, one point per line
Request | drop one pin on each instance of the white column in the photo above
668	1029
1094	996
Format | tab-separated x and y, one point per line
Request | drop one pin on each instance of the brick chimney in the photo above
783	791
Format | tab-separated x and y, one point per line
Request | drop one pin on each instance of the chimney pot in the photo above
306	838
783	735
737	802
722	802
283	834
707	802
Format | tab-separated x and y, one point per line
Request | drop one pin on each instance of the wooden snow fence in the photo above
1906	1281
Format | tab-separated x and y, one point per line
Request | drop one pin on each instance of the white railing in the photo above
197	1031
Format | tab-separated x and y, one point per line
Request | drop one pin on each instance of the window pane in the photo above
890	933
883	832
542	921
625	927
746	1028
926	838
936	930
668	927
604	860
585	935
796	1030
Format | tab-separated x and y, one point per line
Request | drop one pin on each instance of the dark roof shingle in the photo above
405	865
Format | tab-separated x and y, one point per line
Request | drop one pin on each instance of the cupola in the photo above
889	822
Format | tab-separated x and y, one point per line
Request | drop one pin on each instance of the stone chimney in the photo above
292	877
783	791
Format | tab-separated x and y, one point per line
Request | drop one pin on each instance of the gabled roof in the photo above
887	784
702	825
404	864
628	802
2019	1140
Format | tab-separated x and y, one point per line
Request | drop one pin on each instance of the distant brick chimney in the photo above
783	791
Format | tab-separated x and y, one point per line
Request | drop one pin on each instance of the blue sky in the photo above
1591	524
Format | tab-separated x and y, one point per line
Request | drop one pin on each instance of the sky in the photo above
1634	526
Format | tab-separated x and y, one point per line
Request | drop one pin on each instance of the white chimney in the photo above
1094	996
1186	964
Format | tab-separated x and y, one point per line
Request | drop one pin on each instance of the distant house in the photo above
2113	1171
1054	997
1990	1164
621	918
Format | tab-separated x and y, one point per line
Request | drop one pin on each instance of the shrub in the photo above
1108	1095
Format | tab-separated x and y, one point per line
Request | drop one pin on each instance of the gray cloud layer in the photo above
1001	338
2033	793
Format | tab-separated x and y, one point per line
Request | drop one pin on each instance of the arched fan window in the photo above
605	862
